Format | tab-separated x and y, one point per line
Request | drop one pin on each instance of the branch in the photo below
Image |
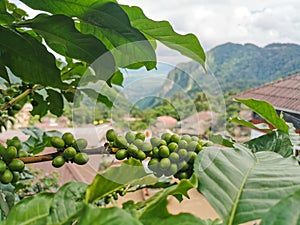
49	157
18	98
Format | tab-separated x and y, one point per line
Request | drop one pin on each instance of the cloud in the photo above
218	21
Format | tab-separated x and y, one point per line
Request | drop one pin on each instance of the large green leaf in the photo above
66	7
129	46
67	203
31	211
114	178
61	35
109	23
241	185
284	212
162	31
276	141
56	102
28	59
267	112
108	216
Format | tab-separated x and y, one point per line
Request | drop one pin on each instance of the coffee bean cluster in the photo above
10	165
70	148
170	154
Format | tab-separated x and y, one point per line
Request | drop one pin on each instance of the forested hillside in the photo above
239	67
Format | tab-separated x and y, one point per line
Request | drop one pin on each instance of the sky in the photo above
216	22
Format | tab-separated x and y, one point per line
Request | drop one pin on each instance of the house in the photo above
166	122
283	94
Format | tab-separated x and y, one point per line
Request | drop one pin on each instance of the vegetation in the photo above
243	182
238	67
181	106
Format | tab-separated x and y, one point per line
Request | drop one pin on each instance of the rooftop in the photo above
283	94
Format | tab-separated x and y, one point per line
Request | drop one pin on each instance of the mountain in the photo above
238	67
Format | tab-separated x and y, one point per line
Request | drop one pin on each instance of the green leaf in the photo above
61	35
31	211
67	203
242	186
4	74
7	197
108	22
186	219
9	193
117	78
114	178
276	141
5	17
95	95
35	132
3	205
219	139
129	46
41	107
66	7
261	126
267	112
28	59
74	71
149	180
162	31
157	205
38	139
56	102
108	216
284	212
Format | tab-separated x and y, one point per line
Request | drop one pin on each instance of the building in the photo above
283	94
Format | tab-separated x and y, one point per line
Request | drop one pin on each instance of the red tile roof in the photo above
283	94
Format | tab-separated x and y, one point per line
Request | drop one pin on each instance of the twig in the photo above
49	157
18	98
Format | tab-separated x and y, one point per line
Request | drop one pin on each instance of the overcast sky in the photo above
219	21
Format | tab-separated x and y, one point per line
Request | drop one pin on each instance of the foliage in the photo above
68	204
81	37
276	141
33	182
267	112
240	191
260	174
243	183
